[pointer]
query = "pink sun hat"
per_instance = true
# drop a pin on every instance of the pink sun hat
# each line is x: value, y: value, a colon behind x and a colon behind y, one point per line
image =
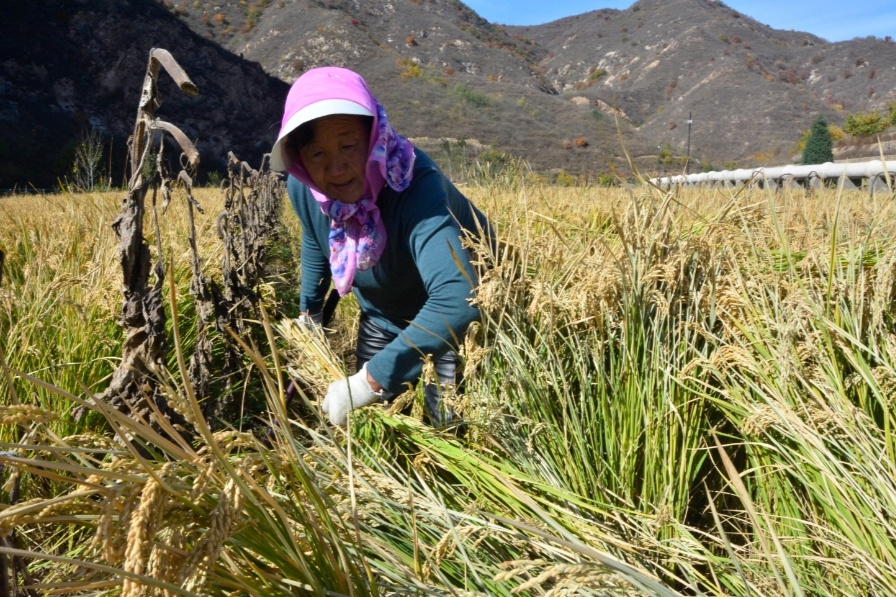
x: 321, y: 92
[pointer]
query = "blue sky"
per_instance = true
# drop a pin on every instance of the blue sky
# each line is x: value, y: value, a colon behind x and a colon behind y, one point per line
x: 834, y: 20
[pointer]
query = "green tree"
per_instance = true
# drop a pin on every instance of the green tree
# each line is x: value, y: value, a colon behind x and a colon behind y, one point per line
x: 820, y: 145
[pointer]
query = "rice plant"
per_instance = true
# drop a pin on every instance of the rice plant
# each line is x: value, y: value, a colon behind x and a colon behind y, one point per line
x: 668, y: 393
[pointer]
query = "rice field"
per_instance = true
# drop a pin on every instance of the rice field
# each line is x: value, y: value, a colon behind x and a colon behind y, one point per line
x: 668, y: 394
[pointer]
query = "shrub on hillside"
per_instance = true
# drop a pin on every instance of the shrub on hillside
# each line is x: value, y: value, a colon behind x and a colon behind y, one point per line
x: 865, y: 124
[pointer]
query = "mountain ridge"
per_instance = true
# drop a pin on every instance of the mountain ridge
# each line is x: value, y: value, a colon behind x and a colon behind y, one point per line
x: 564, y: 96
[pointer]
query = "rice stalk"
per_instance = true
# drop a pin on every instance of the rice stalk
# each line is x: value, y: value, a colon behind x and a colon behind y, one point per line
x: 621, y: 329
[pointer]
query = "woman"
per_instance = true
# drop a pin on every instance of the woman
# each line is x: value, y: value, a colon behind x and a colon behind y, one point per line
x: 380, y: 219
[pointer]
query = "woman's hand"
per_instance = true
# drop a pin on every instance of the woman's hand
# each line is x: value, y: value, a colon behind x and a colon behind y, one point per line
x: 345, y: 395
x: 312, y: 321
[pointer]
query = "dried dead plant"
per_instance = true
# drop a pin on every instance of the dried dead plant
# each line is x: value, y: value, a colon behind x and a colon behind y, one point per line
x: 143, y: 317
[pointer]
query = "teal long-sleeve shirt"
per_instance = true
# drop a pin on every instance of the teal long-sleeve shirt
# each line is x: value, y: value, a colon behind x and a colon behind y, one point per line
x: 422, y: 285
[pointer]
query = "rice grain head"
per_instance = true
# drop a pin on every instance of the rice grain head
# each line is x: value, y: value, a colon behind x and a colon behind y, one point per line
x: 446, y: 546
x: 21, y: 414
x: 730, y: 356
x: 167, y: 555
x: 222, y: 521
x: 759, y: 421
x: 141, y: 533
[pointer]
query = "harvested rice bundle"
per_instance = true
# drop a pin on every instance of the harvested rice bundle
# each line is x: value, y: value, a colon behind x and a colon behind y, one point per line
x: 309, y: 356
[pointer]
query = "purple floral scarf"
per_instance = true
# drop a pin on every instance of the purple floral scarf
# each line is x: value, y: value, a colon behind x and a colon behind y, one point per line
x: 357, y: 234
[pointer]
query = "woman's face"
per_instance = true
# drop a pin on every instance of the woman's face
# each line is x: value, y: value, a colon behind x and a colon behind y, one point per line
x: 336, y: 157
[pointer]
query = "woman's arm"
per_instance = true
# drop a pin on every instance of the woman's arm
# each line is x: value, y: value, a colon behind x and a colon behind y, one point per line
x: 315, y: 265
x: 433, y: 239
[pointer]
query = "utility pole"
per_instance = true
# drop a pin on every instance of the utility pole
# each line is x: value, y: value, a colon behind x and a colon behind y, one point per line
x: 687, y: 161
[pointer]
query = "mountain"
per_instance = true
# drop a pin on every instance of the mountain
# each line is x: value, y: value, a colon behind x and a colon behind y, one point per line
x: 440, y: 70
x: 564, y: 95
x: 749, y: 88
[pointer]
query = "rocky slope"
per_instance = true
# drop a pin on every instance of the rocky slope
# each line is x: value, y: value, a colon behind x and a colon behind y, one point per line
x: 749, y: 88
x: 440, y: 71
x: 564, y: 95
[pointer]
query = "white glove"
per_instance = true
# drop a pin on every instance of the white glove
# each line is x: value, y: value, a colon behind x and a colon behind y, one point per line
x: 345, y: 395
x: 312, y: 321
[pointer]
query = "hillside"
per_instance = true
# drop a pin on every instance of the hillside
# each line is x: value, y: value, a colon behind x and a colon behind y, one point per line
x: 749, y: 88
x: 553, y: 94
x: 440, y: 70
